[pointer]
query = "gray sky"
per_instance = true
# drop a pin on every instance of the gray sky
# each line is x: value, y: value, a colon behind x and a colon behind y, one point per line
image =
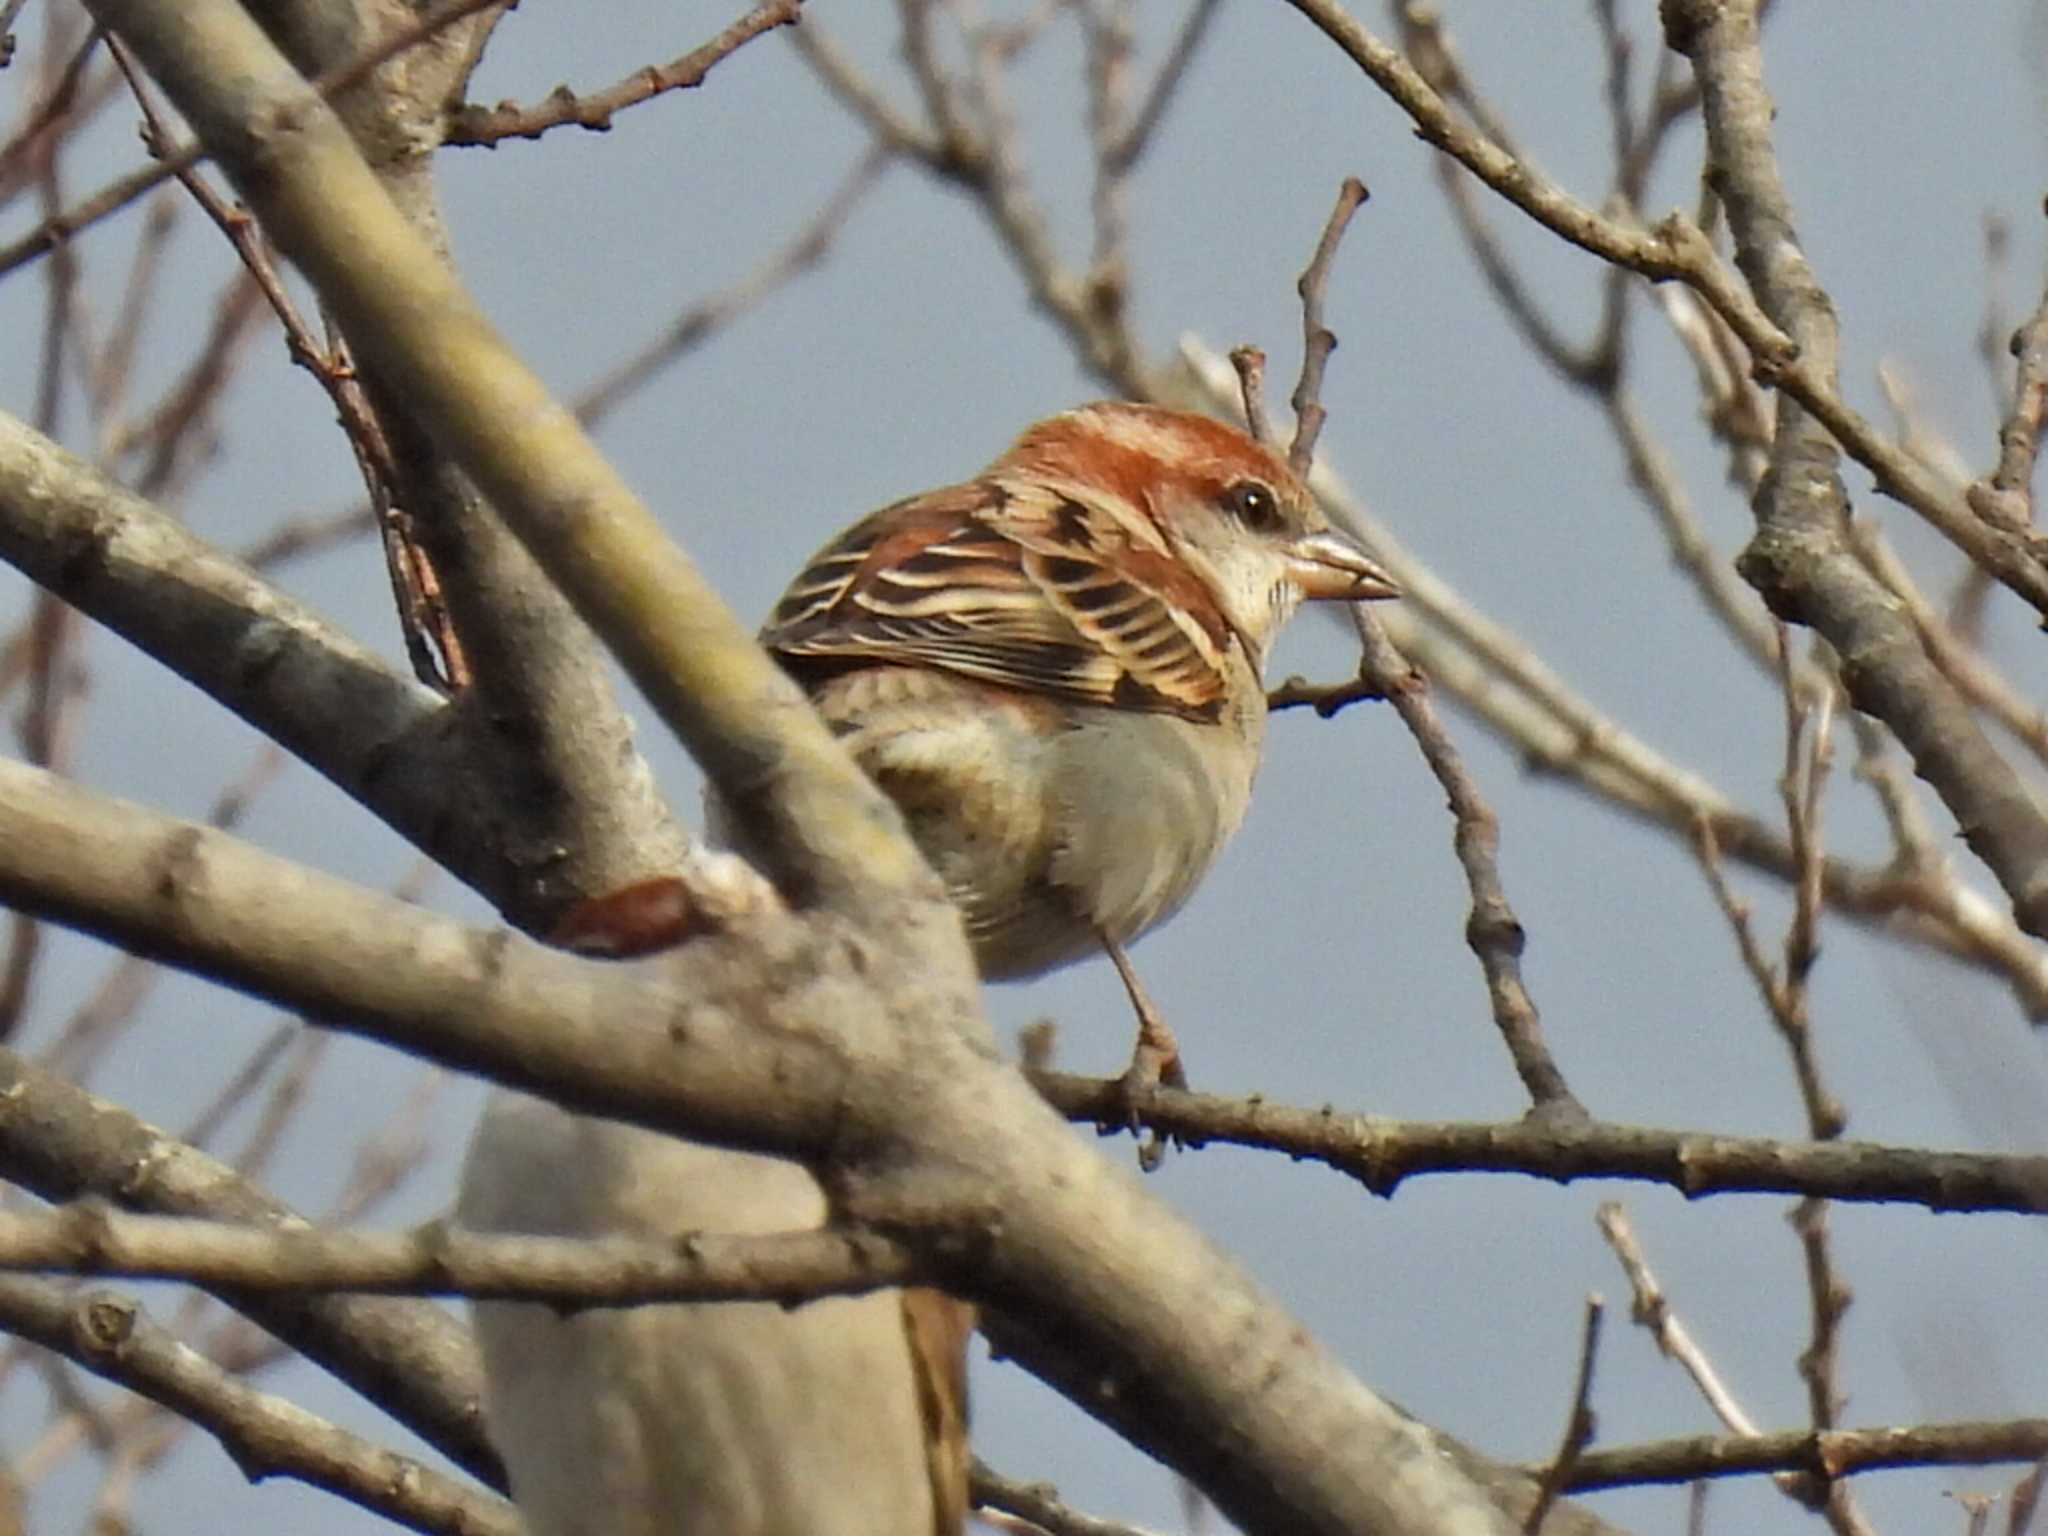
x: 1324, y: 960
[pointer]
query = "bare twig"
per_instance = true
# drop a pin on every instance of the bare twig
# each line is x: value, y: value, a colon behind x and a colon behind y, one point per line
x: 1318, y: 341
x: 1428, y: 43
x: 972, y: 141
x: 1652, y: 1310
x: 177, y: 427
x: 1580, y: 1426
x: 1326, y: 699
x: 471, y: 124
x: 707, y: 316
x: 2026, y: 1497
x: 1109, y: 31
x: 1035, y: 1507
x: 841, y: 76
x: 200, y: 1130
x: 1676, y: 248
x: 52, y: 104
x: 112, y: 371
x: 60, y: 227
x: 1492, y: 930
x: 1963, y: 663
x: 430, y: 638
x: 1186, y: 43
x: 1250, y: 364
x: 265, y: 1435
x: 311, y: 535
x: 299, y: 538
x: 1380, y: 1153
x: 1494, y: 675
x: 390, y: 1153
x: 1832, y: 1454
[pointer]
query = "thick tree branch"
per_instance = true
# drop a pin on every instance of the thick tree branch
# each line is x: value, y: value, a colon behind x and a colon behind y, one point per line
x: 1676, y: 250
x: 821, y: 826
x: 259, y: 653
x: 772, y: 1038
x: 1800, y: 558
x: 565, y: 808
x: 411, y: 1358
x: 405, y: 755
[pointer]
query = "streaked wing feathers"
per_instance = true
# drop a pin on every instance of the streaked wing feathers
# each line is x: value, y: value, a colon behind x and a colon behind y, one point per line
x: 1017, y: 585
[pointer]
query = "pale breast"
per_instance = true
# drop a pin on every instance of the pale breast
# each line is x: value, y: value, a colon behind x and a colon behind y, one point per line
x: 1144, y: 803
x: 1051, y: 824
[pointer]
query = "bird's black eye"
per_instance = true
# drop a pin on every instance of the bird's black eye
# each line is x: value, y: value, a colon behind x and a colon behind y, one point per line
x: 1254, y: 505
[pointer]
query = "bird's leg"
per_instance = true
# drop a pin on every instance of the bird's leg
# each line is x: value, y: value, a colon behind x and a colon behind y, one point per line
x: 1155, y: 1059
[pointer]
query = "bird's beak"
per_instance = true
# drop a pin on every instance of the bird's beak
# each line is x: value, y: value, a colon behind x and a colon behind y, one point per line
x: 1329, y: 564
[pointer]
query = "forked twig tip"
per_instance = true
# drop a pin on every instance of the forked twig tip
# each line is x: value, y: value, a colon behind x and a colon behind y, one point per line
x: 1250, y: 364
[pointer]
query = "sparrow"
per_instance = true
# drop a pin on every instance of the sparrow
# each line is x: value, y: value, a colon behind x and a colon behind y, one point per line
x: 1055, y: 670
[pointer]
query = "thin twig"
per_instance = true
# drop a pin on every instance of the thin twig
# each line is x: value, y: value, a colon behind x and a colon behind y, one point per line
x: 1652, y: 1311
x: 1250, y: 364
x: 1580, y: 1425
x: 62, y: 226
x: 1186, y: 43
x: 1492, y: 930
x: 2026, y: 1498
x: 2006, y: 495
x: 1678, y: 249
x: 1318, y: 341
x: 709, y: 315
x: 1381, y: 1154
x: 265, y: 1435
x: 471, y: 124
x: 112, y: 371
x: 1109, y: 34
x: 52, y: 105
x: 430, y: 638
x: 972, y: 142
x: 1830, y: 1456
x: 1326, y: 699
x: 177, y: 428
x: 1035, y: 1507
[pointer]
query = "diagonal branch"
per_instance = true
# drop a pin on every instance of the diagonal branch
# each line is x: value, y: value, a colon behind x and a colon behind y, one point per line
x: 1676, y: 250
x: 412, y: 1358
x: 264, y: 1434
x: 771, y: 1038
x: 1800, y: 559
x: 473, y: 124
x: 821, y: 826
